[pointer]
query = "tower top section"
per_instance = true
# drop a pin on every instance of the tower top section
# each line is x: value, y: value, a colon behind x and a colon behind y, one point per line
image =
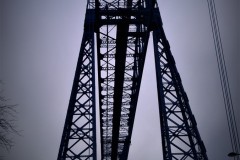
x: 113, y: 4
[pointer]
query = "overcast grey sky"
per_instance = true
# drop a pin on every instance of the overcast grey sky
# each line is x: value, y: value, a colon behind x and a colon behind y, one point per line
x: 39, y: 45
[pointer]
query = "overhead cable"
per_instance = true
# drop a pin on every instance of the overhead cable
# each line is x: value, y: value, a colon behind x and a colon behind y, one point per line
x: 229, y: 109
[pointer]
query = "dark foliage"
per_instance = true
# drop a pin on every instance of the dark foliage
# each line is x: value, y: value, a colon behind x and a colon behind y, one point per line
x: 7, y: 121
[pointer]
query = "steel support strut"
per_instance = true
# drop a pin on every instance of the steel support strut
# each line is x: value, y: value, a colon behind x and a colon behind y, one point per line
x: 79, y: 134
x: 180, y: 136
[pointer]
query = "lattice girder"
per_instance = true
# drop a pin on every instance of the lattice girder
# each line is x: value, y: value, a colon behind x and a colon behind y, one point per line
x: 180, y: 136
x: 122, y: 37
x: 79, y: 134
x: 122, y: 29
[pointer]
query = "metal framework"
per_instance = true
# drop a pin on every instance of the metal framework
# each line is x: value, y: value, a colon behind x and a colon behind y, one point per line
x: 122, y: 30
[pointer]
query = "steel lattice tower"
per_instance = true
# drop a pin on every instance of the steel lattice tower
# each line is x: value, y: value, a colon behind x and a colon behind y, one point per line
x: 122, y: 30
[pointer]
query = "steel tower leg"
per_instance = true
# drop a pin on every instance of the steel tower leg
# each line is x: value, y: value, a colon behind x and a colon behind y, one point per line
x: 79, y: 134
x: 180, y: 136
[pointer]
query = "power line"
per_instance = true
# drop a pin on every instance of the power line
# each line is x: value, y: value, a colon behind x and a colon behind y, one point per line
x: 232, y: 125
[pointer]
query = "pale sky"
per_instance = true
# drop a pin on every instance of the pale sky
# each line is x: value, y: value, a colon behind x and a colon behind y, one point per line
x: 40, y: 40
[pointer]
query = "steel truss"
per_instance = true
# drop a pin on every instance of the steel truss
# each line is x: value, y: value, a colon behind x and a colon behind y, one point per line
x: 122, y: 29
x: 79, y: 134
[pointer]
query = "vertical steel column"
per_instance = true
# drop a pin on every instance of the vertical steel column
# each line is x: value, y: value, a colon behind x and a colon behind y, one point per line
x: 79, y: 134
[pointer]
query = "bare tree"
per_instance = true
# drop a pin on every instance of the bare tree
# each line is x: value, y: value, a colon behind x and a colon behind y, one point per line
x: 7, y: 121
